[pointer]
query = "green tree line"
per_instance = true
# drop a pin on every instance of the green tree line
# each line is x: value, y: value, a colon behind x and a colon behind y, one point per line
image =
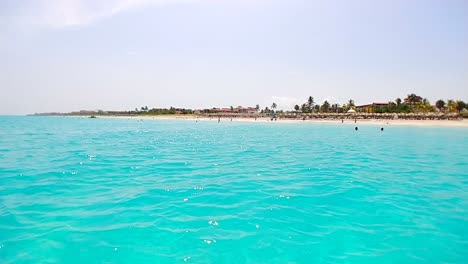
x: 412, y: 103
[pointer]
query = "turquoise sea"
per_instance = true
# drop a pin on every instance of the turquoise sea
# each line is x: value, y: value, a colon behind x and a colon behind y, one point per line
x: 80, y: 190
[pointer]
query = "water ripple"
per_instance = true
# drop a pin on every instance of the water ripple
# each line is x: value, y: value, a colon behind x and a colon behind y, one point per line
x: 77, y: 190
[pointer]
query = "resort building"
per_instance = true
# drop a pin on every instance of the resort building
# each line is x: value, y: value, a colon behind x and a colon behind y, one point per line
x: 239, y: 109
x: 249, y: 110
x: 370, y: 108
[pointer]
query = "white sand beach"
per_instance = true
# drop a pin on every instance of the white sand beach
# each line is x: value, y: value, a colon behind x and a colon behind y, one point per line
x: 379, y: 122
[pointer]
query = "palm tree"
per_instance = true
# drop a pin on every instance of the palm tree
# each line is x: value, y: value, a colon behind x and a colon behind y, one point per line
x: 310, y: 103
x: 325, y: 106
x: 296, y: 107
x: 391, y: 107
x: 451, y: 105
x: 304, y: 108
x: 460, y: 105
x: 398, y: 101
x: 440, y: 104
x: 273, y: 106
x: 232, y: 108
x: 257, y: 107
x: 425, y: 106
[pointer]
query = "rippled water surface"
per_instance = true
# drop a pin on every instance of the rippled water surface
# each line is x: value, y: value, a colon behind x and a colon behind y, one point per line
x: 79, y: 190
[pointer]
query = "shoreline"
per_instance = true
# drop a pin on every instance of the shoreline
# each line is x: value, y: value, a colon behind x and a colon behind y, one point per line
x: 381, y: 122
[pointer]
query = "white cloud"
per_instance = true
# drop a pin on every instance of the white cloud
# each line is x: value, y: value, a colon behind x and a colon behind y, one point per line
x: 69, y: 13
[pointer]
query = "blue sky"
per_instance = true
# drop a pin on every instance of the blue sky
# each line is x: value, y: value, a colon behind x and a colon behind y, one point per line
x: 69, y: 55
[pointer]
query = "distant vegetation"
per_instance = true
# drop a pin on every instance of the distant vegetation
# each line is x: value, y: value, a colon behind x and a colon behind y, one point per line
x: 412, y: 103
x: 161, y: 111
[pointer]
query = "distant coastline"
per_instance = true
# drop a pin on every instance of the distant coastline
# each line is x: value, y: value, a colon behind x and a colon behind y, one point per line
x: 412, y: 107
